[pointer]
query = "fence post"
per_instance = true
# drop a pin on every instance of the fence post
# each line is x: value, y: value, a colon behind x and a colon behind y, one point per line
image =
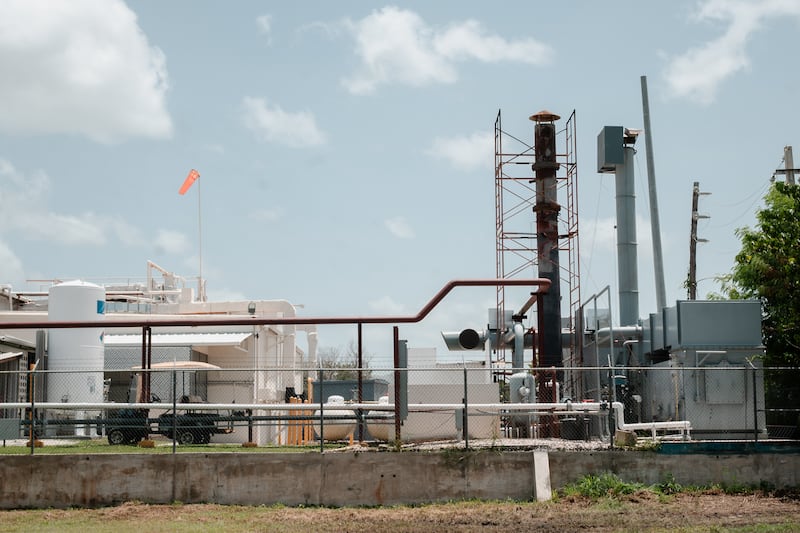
x: 465, y: 420
x: 321, y: 410
x: 396, y: 342
x: 174, y: 409
x: 612, y: 423
x: 32, y: 389
x: 755, y: 402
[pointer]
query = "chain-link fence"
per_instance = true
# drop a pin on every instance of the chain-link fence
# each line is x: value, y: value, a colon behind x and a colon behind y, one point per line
x: 191, y: 404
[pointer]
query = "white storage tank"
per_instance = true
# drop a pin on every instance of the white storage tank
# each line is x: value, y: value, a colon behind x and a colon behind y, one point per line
x: 76, y: 349
x: 336, y: 429
x: 380, y: 424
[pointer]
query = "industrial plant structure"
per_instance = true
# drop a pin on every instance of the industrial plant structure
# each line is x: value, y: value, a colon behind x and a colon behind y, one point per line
x: 95, y: 365
x: 688, y: 367
x: 692, y: 364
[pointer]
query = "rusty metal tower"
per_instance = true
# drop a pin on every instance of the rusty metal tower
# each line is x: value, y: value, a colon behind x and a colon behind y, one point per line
x: 536, y: 216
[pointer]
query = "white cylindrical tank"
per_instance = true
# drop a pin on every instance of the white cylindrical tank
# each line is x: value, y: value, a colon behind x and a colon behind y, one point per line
x: 335, y: 429
x: 522, y: 388
x: 381, y: 427
x: 75, y: 349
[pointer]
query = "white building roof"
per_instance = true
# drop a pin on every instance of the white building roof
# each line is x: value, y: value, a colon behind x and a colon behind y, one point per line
x: 180, y: 339
x: 9, y: 356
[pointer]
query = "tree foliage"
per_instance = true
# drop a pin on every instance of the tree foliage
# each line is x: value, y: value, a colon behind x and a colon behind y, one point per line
x: 768, y: 268
x: 338, y: 364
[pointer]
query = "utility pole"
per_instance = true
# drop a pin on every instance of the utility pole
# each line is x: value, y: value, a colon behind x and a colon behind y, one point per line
x: 788, y: 165
x: 655, y: 225
x: 691, y: 282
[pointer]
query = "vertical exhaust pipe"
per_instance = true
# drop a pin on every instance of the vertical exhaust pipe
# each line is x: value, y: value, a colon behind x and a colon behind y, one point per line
x: 615, y: 154
x: 547, y: 208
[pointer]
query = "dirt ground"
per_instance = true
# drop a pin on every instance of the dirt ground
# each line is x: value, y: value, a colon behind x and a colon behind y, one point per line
x: 643, y: 511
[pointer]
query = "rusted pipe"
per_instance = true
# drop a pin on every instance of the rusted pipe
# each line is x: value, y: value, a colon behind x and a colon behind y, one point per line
x: 542, y: 284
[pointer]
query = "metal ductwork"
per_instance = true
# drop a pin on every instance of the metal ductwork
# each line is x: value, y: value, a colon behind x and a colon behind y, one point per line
x: 470, y: 339
x: 467, y: 339
x: 615, y: 155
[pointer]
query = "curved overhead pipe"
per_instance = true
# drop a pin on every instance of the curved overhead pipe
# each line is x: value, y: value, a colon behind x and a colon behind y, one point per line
x: 542, y: 284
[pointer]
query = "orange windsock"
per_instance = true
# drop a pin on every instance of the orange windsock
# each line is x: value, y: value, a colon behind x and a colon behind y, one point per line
x: 190, y: 179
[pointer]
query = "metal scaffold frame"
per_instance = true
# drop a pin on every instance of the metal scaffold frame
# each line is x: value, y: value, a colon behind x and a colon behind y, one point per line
x: 515, y: 198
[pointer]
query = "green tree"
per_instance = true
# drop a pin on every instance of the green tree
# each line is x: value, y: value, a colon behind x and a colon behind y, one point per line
x: 338, y: 364
x: 768, y: 268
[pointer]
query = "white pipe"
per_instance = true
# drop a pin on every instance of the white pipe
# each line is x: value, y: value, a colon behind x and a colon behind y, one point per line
x: 10, y: 296
x: 565, y: 407
x: 595, y: 408
x: 518, y: 354
x: 616, y: 333
x: 620, y: 331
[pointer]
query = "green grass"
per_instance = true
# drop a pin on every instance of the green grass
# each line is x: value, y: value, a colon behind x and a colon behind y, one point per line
x: 608, y: 485
x: 600, y: 486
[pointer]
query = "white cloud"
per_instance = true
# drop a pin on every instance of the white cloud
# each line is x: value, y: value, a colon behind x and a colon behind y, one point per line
x: 398, y: 46
x: 599, y: 238
x: 268, y: 215
x: 226, y: 295
x: 465, y: 153
x: 171, y: 242
x: 10, y: 266
x: 21, y: 190
x: 468, y: 40
x: 123, y: 232
x: 264, y: 24
x: 698, y: 73
x: 63, y: 229
x: 80, y: 67
x: 387, y: 306
x: 399, y: 227
x: 272, y: 124
x: 38, y: 223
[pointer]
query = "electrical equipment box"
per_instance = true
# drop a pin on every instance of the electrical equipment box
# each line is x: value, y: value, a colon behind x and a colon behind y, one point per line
x: 610, y: 148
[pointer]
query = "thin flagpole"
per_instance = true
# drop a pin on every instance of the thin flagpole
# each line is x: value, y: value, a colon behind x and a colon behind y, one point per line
x: 187, y: 184
x: 201, y: 289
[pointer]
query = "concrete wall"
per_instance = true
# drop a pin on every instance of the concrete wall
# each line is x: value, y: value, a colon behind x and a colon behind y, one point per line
x: 340, y: 479
x: 777, y: 469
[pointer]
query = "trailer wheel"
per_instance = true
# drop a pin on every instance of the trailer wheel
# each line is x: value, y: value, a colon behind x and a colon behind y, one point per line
x: 186, y: 437
x: 116, y: 436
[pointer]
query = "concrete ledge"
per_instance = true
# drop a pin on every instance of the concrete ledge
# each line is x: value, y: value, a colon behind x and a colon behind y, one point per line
x: 351, y: 479
x: 779, y: 470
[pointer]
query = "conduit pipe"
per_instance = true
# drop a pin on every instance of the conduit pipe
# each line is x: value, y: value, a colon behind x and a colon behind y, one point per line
x: 618, y: 333
x: 518, y: 353
x: 559, y: 407
x: 234, y: 320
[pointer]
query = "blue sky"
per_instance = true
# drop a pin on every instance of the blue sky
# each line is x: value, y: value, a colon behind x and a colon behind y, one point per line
x: 345, y: 148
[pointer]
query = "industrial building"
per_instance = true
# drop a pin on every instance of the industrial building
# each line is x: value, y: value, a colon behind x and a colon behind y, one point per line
x: 101, y: 365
